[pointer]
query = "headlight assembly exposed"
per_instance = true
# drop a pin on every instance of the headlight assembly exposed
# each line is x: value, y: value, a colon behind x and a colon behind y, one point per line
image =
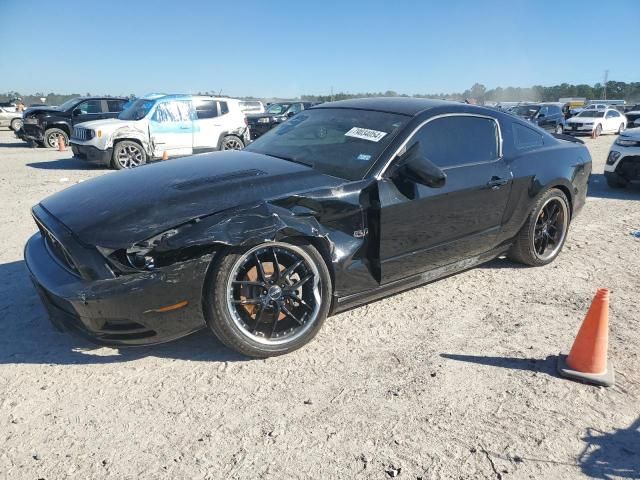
x: 264, y: 120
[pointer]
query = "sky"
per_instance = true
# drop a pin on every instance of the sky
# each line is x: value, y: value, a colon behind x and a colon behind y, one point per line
x: 272, y: 48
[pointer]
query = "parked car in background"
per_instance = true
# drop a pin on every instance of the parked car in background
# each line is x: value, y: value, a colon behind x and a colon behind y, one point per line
x: 623, y: 162
x: 158, y: 123
x: 45, y: 125
x: 548, y: 116
x: 345, y: 204
x: 251, y: 107
x: 595, y: 122
x: 274, y: 115
x: 9, y: 117
x: 633, y: 116
x: 592, y: 106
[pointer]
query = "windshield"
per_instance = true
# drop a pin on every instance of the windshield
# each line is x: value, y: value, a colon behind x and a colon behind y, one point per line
x: 591, y: 114
x: 137, y: 110
x: 68, y: 104
x: 527, y: 111
x: 339, y: 142
x: 277, y: 108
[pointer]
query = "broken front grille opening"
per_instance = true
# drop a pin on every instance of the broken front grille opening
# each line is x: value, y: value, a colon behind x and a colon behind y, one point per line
x: 56, y: 250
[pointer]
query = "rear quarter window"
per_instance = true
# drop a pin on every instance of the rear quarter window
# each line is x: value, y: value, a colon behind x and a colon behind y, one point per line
x: 525, y: 137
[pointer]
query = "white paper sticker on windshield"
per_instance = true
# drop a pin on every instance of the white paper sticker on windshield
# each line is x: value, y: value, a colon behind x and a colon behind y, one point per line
x: 365, y: 134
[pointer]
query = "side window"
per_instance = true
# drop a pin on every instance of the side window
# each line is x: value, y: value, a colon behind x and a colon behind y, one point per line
x: 295, y: 108
x: 615, y: 113
x: 173, y: 112
x: 224, y: 108
x: 115, y: 105
x: 459, y: 140
x: 544, y: 111
x: 90, y: 106
x: 525, y: 137
x: 206, y: 109
x: 553, y: 110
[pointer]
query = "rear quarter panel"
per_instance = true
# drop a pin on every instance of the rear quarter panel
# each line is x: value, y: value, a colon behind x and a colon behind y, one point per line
x: 557, y: 164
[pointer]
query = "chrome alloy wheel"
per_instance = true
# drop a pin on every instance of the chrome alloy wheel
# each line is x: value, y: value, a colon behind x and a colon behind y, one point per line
x: 129, y: 156
x: 551, y: 228
x: 274, y: 293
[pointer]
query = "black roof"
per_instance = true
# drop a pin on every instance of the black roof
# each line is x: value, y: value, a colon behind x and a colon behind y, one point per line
x: 402, y: 105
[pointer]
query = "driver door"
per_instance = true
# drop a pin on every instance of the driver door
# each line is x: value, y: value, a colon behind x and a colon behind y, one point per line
x: 87, y: 111
x: 423, y: 228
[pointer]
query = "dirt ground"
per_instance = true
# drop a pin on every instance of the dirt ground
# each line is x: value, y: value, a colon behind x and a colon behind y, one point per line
x: 452, y: 380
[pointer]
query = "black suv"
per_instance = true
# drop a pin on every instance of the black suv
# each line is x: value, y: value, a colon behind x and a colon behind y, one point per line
x: 275, y: 114
x: 44, y: 125
x: 548, y: 116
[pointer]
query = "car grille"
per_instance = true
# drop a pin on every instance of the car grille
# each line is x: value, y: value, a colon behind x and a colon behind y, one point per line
x: 56, y: 249
x: 82, y: 134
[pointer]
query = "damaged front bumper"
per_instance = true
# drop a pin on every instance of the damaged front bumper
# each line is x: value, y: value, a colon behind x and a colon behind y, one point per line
x: 124, y: 310
x: 92, y: 154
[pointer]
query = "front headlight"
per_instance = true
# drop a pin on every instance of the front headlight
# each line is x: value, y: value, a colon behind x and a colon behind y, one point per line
x: 264, y: 120
x: 626, y: 143
x: 613, y: 157
x: 587, y: 124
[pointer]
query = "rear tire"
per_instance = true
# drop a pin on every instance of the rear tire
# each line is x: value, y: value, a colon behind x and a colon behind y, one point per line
x: 559, y: 129
x: 52, y: 135
x: 264, y: 325
x: 128, y: 154
x: 621, y: 128
x: 527, y: 247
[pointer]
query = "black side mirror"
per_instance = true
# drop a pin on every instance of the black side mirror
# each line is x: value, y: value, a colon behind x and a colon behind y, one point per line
x: 541, y: 115
x: 420, y: 169
x: 290, y: 114
x: 77, y: 112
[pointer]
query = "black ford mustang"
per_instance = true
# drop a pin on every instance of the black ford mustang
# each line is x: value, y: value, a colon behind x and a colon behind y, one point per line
x: 345, y: 203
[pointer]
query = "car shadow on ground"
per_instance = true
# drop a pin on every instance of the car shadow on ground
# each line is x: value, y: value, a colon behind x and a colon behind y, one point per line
x: 27, y: 337
x: 545, y: 365
x: 65, y: 164
x: 612, y: 454
x: 598, y: 188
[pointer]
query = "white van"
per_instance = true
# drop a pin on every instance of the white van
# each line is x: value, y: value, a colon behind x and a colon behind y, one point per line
x: 157, y: 124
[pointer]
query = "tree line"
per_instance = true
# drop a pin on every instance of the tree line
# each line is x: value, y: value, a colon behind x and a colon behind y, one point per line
x: 538, y: 93
x: 478, y: 92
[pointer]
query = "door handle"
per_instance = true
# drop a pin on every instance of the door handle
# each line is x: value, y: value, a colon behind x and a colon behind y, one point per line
x: 496, y: 182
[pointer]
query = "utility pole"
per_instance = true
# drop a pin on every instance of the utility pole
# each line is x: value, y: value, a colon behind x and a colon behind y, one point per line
x: 332, y: 93
x: 606, y: 78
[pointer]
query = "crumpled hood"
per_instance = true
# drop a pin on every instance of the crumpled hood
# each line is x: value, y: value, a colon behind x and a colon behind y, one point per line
x: 109, y: 125
x: 121, y: 208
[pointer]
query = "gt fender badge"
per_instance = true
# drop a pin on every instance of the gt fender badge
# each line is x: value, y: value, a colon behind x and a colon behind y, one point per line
x: 361, y: 233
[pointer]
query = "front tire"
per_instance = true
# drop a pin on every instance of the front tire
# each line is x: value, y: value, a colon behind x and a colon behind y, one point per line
x: 231, y: 142
x: 261, y: 311
x: 52, y: 136
x: 542, y: 236
x: 16, y: 124
x: 598, y: 131
x: 128, y: 154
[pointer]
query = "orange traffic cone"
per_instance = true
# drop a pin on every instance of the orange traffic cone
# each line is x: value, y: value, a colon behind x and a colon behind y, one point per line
x: 165, y: 155
x: 587, y: 360
x: 61, y: 144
